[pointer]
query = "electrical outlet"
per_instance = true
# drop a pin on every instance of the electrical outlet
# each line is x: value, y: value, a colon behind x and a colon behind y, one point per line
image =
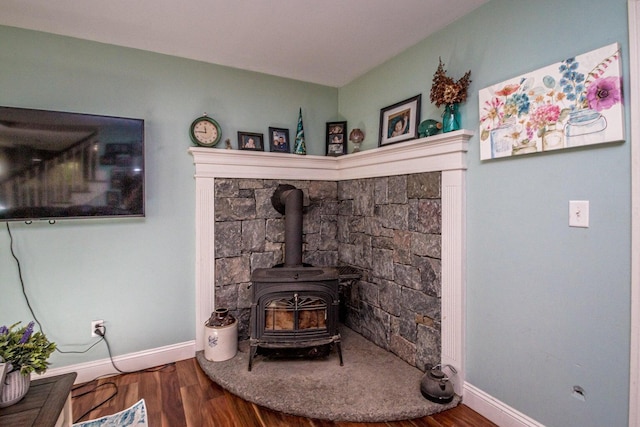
x: 99, y: 325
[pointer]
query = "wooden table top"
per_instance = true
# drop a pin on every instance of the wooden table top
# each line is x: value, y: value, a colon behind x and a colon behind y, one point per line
x: 42, y: 405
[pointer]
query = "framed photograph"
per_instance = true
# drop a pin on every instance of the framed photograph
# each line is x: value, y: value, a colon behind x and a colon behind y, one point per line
x: 250, y: 141
x: 336, y: 138
x: 279, y: 140
x: 399, y: 122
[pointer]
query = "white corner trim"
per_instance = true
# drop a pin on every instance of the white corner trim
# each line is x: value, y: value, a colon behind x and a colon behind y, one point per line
x: 127, y: 362
x: 453, y: 303
x: 634, y: 102
x: 495, y: 410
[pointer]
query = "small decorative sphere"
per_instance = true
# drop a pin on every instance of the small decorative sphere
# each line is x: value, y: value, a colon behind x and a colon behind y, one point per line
x: 356, y: 137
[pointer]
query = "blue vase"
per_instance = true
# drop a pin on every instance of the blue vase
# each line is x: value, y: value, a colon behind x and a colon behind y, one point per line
x: 450, y: 118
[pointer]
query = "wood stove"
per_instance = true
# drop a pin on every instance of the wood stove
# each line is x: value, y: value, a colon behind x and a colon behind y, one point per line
x: 294, y: 308
x: 293, y: 305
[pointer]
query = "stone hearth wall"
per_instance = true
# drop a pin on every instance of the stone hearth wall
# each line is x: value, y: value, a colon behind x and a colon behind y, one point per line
x: 389, y: 228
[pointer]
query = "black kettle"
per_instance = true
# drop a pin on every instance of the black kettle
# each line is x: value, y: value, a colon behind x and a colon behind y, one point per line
x: 436, y: 386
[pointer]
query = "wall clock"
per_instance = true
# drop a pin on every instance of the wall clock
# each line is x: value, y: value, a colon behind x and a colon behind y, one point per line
x: 205, y: 131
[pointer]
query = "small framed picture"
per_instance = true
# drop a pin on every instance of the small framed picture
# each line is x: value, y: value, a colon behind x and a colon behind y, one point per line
x: 336, y: 138
x: 279, y: 140
x: 399, y: 122
x: 250, y: 141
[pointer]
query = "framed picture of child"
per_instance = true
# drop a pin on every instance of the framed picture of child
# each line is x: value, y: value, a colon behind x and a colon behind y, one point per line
x: 250, y: 141
x: 399, y: 122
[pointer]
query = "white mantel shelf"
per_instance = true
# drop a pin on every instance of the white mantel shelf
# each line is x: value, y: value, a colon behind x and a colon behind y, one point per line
x: 444, y: 153
x: 435, y: 153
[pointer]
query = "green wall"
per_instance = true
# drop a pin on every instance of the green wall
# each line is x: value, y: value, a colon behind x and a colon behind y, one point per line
x: 136, y: 274
x: 547, y: 305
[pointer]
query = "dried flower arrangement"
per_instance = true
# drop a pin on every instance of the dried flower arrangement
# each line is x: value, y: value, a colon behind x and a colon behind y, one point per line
x: 446, y: 91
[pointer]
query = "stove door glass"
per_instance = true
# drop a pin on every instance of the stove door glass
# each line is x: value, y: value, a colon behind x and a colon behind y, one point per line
x: 295, y: 313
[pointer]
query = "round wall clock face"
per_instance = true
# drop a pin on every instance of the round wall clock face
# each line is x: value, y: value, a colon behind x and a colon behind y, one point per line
x: 205, y: 131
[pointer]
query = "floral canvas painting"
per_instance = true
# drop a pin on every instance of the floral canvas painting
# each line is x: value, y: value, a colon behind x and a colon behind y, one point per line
x: 573, y: 103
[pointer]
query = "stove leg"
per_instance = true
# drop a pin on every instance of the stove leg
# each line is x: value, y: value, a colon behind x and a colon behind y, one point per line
x: 339, y: 348
x: 252, y: 353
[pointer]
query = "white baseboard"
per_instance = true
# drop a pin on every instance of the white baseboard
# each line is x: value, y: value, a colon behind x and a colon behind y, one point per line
x: 495, y: 410
x: 127, y: 362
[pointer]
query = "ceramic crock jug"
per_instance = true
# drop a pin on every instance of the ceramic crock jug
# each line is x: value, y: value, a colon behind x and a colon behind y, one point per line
x: 220, y: 336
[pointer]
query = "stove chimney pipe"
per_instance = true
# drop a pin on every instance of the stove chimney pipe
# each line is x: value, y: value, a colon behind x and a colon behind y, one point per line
x: 288, y: 200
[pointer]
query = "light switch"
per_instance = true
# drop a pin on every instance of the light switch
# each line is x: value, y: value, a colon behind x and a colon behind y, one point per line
x: 579, y: 213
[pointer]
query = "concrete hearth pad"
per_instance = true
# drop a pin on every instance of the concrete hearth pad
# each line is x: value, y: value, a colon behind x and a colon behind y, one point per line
x: 373, y: 385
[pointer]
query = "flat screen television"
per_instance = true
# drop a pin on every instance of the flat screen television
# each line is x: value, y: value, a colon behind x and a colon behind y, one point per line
x: 63, y: 165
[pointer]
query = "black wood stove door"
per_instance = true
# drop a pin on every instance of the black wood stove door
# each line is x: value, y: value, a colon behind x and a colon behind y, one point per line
x: 294, y: 315
x: 289, y: 312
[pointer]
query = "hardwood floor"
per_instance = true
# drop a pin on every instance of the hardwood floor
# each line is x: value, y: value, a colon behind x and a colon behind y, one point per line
x: 181, y: 395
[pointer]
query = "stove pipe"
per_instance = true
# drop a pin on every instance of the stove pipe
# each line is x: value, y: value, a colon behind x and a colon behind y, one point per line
x: 288, y: 200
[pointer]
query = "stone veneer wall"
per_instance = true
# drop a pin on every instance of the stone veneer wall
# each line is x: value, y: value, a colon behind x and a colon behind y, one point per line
x: 389, y: 228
